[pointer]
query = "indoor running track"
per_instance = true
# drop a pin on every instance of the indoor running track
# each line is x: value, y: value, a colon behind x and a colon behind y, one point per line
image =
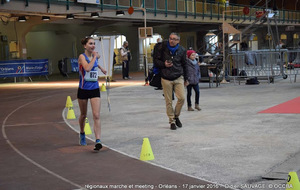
x: 39, y: 151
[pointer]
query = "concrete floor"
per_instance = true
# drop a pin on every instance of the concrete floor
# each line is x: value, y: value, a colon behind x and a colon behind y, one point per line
x: 228, y: 142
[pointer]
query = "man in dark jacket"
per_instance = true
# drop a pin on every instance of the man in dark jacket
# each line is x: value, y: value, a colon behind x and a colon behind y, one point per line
x: 171, y: 60
x: 155, y: 70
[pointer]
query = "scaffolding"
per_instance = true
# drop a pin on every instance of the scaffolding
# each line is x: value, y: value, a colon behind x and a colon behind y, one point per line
x: 265, y: 64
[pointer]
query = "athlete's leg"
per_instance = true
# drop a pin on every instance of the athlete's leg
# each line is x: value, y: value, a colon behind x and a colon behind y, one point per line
x: 96, y: 103
x: 83, y: 111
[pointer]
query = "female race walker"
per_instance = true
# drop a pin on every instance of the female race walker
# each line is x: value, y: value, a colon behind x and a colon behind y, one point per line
x: 89, y: 89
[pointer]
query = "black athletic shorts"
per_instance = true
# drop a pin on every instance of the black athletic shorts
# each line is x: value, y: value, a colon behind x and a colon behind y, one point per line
x: 88, y: 94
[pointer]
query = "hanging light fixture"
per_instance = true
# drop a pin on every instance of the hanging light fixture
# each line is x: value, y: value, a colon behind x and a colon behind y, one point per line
x: 95, y: 15
x: 70, y: 16
x: 22, y: 19
x: 45, y: 18
x: 120, y: 13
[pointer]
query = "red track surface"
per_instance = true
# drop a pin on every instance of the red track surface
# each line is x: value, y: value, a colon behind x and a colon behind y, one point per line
x: 289, y: 107
x: 39, y: 151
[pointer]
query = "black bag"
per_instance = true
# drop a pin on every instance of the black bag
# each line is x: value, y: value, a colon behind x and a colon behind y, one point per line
x: 154, y: 79
x: 243, y: 73
x: 252, y: 81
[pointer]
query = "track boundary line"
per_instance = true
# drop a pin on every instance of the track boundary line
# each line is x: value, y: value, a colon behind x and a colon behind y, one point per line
x: 28, y: 124
x: 26, y: 157
x: 154, y: 164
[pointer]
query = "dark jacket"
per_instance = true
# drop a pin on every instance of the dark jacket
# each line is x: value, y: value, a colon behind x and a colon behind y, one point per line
x: 179, y: 62
x: 193, y: 72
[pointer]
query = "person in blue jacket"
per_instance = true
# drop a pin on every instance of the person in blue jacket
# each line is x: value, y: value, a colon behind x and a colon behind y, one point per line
x: 89, y: 89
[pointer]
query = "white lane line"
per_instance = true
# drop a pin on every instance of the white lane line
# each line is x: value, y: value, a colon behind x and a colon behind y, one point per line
x: 26, y: 157
x: 157, y: 165
x: 29, y: 124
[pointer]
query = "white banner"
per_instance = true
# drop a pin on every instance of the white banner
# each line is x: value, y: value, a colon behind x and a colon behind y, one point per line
x: 105, y: 48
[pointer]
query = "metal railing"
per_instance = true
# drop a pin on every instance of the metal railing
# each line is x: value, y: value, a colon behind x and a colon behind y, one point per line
x: 292, y: 66
x: 265, y: 65
x: 188, y: 8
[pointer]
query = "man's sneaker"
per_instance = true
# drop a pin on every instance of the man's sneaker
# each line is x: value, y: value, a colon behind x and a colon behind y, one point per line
x: 173, y: 126
x: 197, y: 107
x: 178, y: 123
x: 82, y: 140
x: 98, y: 145
x: 190, y: 109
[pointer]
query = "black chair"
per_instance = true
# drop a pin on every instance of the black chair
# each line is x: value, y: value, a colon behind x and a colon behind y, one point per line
x: 63, y: 67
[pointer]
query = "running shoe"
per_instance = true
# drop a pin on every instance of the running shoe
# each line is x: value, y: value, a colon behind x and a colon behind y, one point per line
x: 98, y: 145
x: 82, y: 140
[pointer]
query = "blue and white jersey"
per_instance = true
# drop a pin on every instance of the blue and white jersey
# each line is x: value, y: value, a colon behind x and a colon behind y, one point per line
x: 88, y: 80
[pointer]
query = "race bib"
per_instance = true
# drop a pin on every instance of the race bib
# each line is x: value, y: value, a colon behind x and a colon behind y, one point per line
x: 91, y: 76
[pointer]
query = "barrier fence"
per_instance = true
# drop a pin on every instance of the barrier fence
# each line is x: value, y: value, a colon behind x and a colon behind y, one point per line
x: 292, y: 66
x: 265, y: 65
